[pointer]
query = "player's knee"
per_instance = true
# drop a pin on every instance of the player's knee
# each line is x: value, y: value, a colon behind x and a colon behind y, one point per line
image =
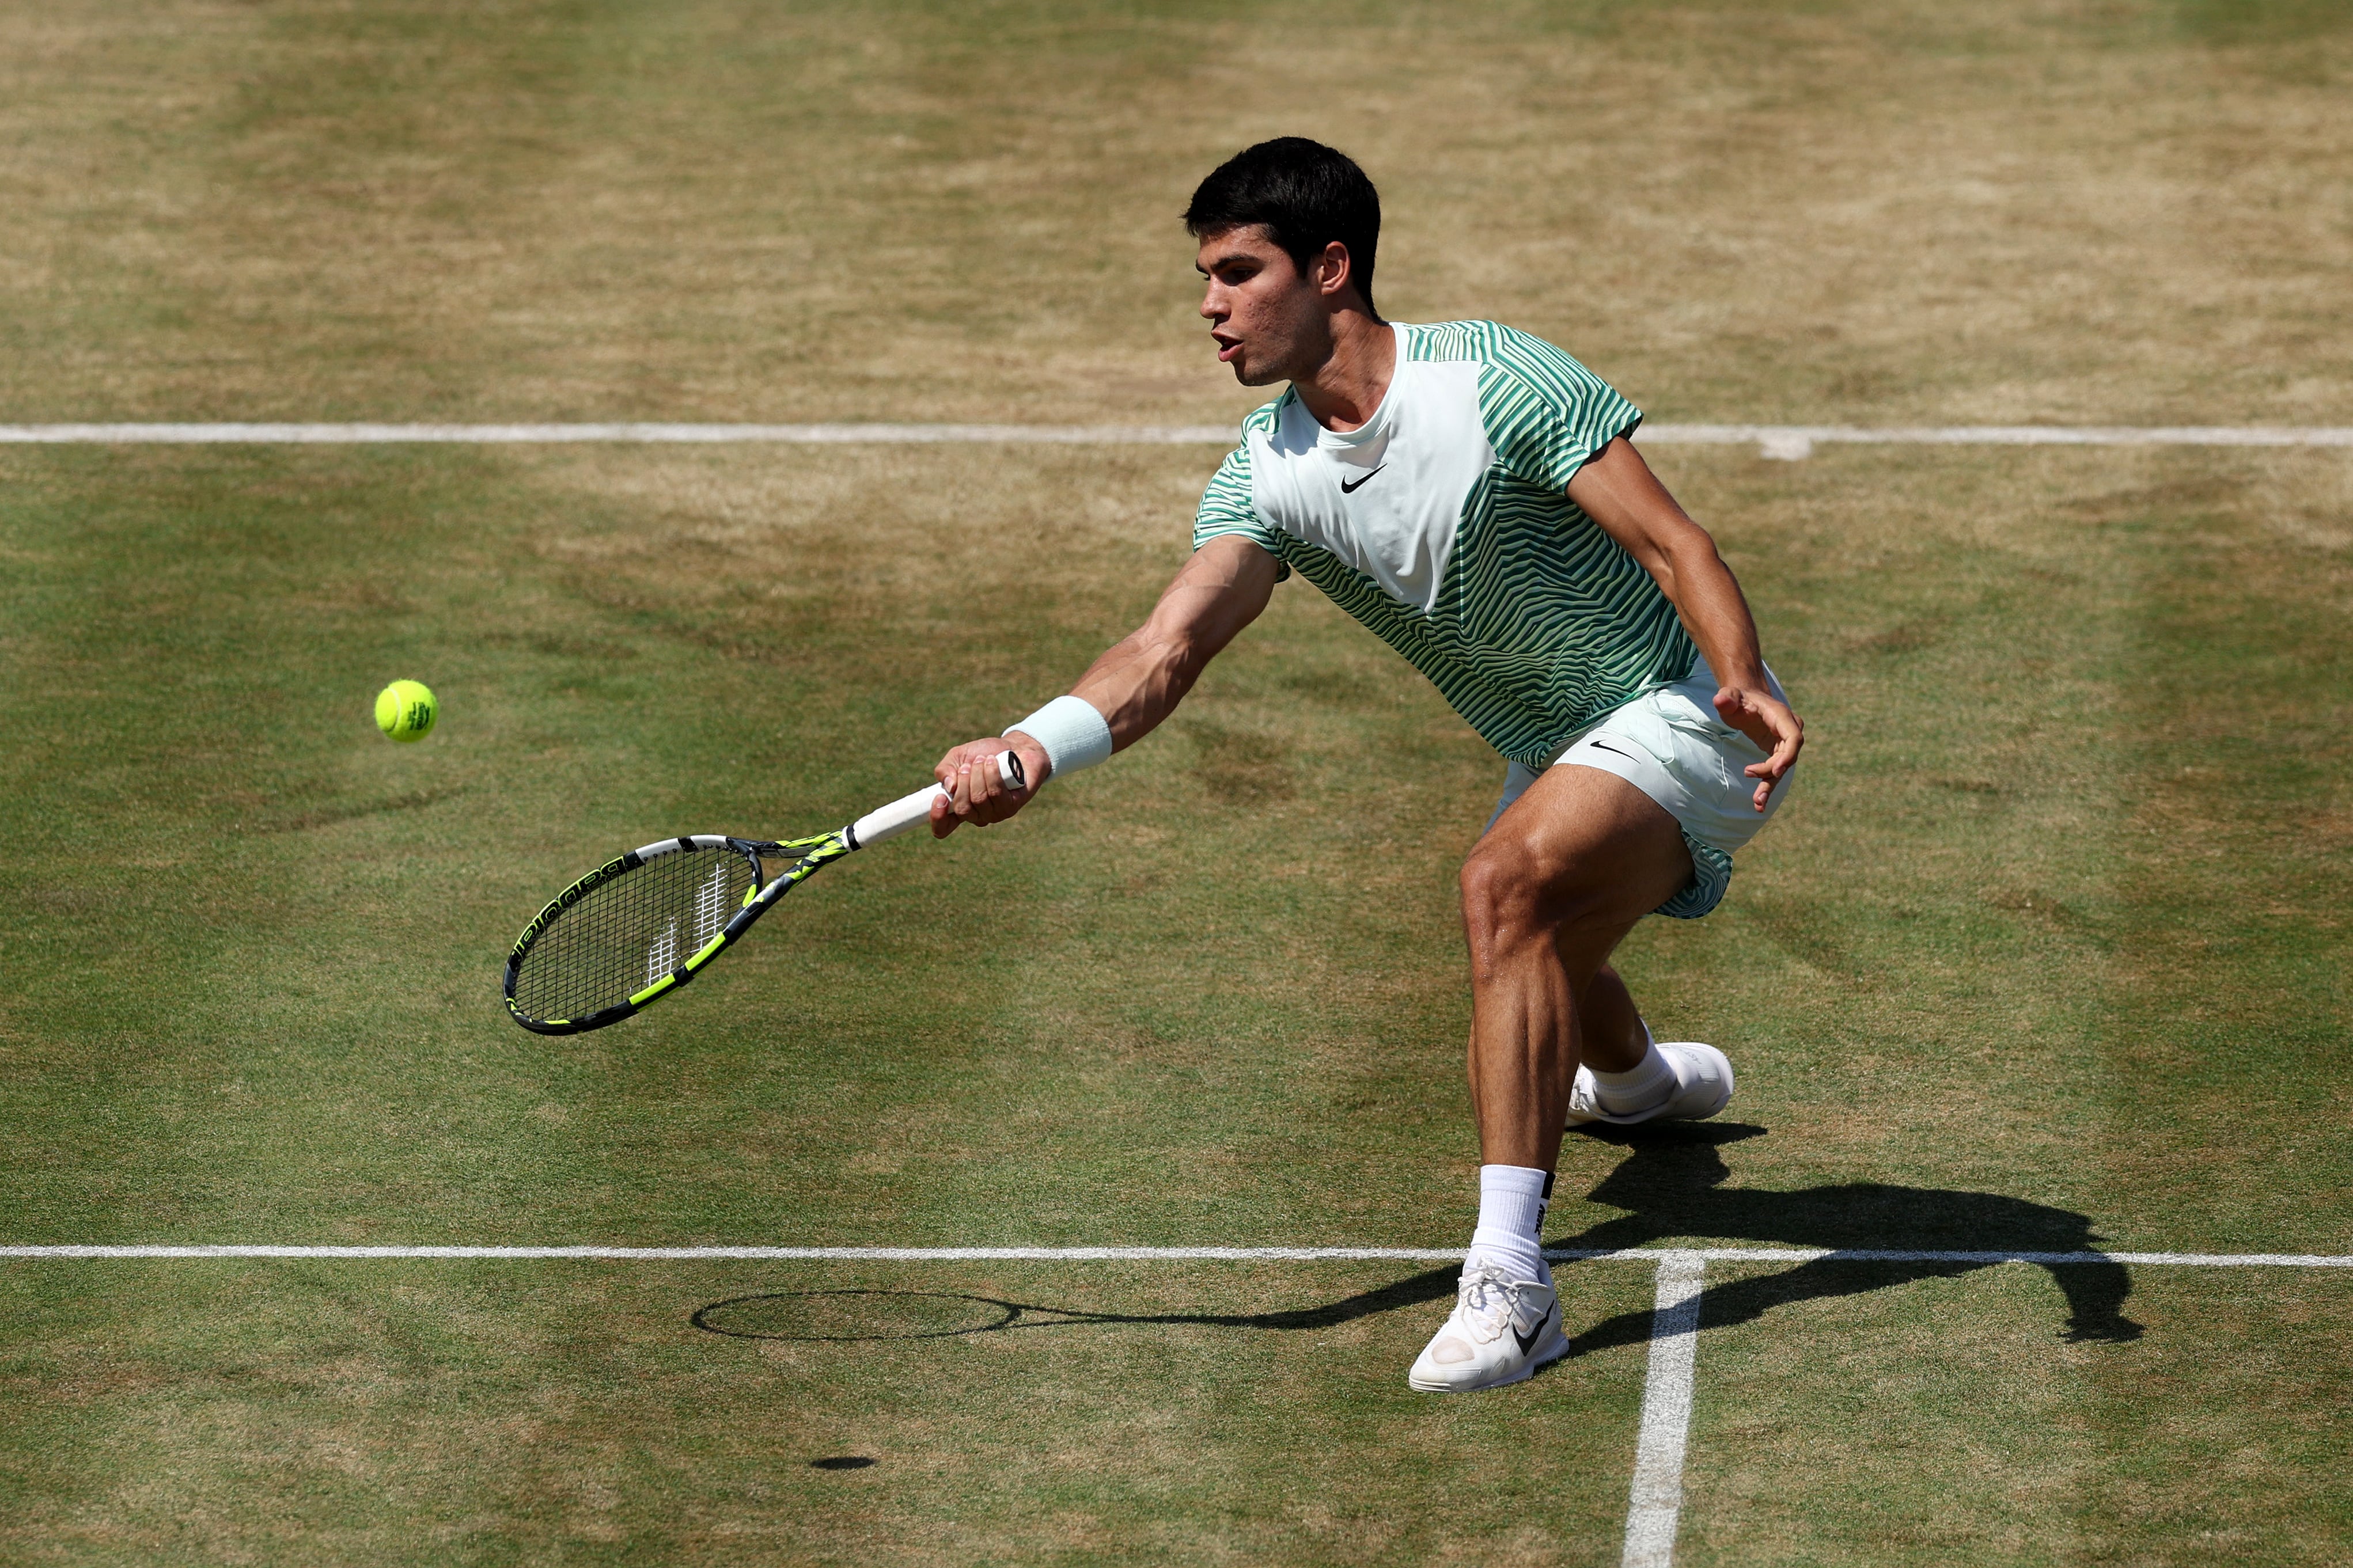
x: 1507, y: 898
x: 1502, y: 902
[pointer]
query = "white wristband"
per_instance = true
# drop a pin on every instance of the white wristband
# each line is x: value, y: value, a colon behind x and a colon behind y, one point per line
x: 1075, y: 736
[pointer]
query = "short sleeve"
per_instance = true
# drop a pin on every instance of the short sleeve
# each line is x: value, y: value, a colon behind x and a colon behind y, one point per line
x: 1226, y: 507
x: 1547, y: 416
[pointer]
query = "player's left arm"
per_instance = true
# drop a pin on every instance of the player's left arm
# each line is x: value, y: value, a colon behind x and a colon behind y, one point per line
x: 1617, y: 491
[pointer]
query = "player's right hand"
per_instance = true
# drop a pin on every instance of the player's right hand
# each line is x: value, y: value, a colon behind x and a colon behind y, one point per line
x: 977, y: 792
x: 1765, y: 719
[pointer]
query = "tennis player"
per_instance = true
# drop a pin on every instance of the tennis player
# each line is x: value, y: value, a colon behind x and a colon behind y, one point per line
x: 1468, y: 492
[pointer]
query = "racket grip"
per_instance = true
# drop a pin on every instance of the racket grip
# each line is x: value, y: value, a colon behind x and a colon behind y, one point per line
x: 892, y: 820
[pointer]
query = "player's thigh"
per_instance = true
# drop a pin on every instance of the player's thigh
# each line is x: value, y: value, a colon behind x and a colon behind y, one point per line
x: 1579, y: 848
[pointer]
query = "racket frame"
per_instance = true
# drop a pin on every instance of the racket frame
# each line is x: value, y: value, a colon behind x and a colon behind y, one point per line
x: 809, y: 857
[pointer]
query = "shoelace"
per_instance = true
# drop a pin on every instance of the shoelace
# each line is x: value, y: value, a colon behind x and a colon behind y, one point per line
x: 1490, y: 1301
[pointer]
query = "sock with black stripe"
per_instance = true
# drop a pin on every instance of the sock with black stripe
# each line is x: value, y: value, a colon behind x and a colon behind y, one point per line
x: 1512, y: 1203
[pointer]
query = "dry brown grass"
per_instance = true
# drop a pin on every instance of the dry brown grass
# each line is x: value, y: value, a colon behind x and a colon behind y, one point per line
x: 2071, y: 212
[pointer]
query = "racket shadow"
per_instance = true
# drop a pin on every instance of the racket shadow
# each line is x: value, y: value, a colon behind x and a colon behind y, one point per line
x: 815, y: 1316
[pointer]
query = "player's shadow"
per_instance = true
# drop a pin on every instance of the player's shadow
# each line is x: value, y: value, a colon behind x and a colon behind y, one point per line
x: 1672, y: 1185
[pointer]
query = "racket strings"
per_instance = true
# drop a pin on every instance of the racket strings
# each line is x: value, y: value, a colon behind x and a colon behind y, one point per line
x: 627, y: 932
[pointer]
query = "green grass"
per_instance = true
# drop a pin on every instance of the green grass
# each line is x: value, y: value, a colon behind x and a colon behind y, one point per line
x: 2008, y: 972
x: 2048, y: 948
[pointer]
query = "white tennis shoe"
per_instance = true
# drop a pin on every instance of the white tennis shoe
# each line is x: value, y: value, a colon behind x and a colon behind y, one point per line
x: 1703, y: 1088
x: 1500, y: 1331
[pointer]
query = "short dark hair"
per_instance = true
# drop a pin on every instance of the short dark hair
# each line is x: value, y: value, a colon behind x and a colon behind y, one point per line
x: 1305, y: 195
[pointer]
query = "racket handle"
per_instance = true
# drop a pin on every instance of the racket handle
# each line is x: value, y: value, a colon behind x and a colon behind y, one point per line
x: 892, y: 820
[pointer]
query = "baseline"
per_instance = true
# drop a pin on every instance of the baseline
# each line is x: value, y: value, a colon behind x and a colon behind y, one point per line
x: 1654, y: 1255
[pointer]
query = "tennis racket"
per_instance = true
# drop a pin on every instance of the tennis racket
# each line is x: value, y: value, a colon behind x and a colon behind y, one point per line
x: 639, y: 927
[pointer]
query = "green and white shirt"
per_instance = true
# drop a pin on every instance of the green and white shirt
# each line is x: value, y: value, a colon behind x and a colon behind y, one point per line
x: 1444, y: 525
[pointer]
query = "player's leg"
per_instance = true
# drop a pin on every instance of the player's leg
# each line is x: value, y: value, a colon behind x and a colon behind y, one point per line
x: 1676, y: 750
x: 1624, y: 1077
x: 1562, y: 875
x: 1611, y: 1035
x: 1549, y: 893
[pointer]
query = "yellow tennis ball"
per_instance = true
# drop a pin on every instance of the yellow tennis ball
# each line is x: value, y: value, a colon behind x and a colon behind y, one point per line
x: 405, y: 711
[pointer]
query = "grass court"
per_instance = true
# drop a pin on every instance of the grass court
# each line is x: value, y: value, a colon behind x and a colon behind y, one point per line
x: 2048, y: 951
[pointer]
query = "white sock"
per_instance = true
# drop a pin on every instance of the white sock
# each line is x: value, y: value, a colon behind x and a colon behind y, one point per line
x: 1646, y: 1084
x: 1511, y: 1202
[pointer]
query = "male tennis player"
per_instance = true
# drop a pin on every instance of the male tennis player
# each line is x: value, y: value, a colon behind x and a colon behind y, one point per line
x: 1467, y: 492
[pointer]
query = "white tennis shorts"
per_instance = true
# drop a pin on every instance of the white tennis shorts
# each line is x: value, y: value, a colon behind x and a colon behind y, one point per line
x: 1671, y: 745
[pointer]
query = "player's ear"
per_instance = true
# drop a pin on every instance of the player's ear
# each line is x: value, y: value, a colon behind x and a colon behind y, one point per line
x: 1334, y: 269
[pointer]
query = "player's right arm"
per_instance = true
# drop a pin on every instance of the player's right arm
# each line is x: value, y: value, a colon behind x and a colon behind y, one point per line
x: 1135, y: 685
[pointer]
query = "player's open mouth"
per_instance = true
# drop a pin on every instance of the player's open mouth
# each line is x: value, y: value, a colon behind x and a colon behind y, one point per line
x: 1227, y: 348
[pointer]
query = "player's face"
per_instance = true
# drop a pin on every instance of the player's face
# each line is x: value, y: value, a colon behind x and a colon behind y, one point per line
x: 1269, y: 322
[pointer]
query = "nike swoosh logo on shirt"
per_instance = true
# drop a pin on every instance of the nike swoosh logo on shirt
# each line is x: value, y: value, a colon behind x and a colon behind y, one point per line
x: 1348, y: 489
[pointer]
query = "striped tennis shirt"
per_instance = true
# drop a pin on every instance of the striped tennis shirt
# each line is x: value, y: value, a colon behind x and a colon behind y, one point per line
x: 1444, y: 525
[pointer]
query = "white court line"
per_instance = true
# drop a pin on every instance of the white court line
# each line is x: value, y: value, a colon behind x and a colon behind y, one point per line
x: 1657, y: 1495
x: 1783, y: 441
x: 1794, y: 443
x: 692, y: 435
x: 761, y: 1253
x: 1655, y: 1255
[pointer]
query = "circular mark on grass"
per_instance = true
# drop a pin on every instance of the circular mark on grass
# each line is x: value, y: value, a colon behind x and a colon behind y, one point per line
x: 840, y: 1316
x: 842, y: 1462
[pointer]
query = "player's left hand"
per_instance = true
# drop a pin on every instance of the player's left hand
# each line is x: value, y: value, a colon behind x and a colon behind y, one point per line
x: 1765, y: 719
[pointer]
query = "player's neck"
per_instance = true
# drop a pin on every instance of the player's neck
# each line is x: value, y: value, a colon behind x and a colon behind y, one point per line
x: 1346, y: 389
